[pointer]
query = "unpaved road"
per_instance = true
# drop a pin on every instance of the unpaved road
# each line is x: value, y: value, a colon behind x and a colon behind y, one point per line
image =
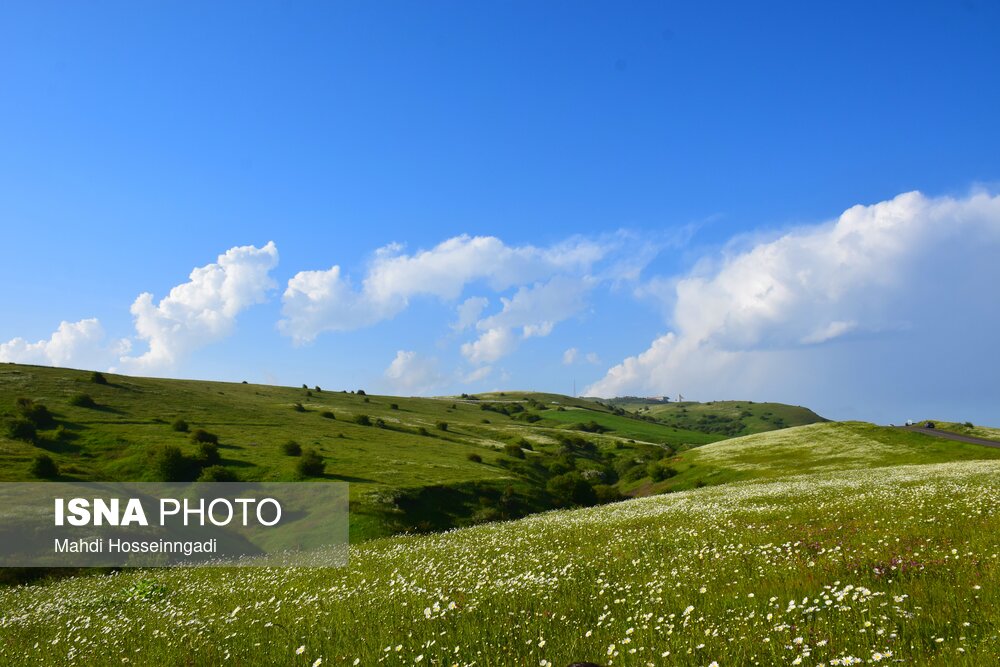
x: 948, y: 435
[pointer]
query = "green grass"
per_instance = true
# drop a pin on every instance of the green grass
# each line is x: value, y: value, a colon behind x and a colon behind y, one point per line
x: 729, y: 418
x: 822, y: 567
x: 401, y: 473
x: 822, y: 447
x: 975, y: 430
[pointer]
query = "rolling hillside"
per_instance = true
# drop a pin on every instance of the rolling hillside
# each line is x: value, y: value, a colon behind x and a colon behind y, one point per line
x: 414, y: 464
x: 727, y: 418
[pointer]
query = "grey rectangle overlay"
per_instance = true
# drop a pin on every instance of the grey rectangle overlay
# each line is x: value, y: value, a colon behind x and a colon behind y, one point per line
x: 227, y: 524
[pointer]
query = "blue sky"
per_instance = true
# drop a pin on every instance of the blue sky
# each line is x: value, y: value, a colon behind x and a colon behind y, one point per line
x: 619, y: 173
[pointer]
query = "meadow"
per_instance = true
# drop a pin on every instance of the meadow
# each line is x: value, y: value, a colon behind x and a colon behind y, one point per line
x: 895, y: 565
x: 829, y: 543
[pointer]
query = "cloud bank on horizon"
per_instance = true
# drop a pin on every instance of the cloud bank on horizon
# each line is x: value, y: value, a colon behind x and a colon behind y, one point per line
x: 838, y: 302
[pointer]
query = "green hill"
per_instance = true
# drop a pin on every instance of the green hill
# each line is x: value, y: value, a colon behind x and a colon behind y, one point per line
x: 822, y: 447
x: 895, y: 564
x: 727, y: 418
x: 414, y: 464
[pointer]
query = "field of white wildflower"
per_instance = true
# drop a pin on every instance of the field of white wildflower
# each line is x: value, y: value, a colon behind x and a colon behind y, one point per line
x: 890, y: 565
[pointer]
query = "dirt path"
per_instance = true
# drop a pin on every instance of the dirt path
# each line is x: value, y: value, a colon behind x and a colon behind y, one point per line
x: 948, y: 435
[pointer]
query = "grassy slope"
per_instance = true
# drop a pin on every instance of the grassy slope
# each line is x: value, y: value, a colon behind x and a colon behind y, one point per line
x: 731, y: 418
x: 822, y: 447
x: 134, y: 416
x: 975, y: 431
x: 855, y: 563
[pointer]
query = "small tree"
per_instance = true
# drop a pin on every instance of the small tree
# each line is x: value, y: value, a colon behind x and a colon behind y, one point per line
x: 571, y: 489
x: 327, y: 414
x: 291, y: 448
x: 513, y: 450
x: 475, y: 458
x: 298, y: 407
x: 363, y: 420
x: 44, y: 467
x: 20, y: 428
x: 98, y: 378
x: 169, y: 464
x: 441, y: 426
x: 83, y: 401
x: 201, y: 435
x: 180, y: 426
x: 311, y: 464
x: 360, y: 392
x: 217, y: 474
x: 208, y: 454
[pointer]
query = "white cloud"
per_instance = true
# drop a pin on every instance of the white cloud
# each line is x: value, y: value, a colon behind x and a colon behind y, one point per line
x: 202, y: 310
x: 469, y: 311
x: 765, y: 318
x: 318, y: 301
x: 477, y: 374
x: 491, y: 345
x: 592, y: 358
x: 413, y: 374
x: 569, y: 356
x: 80, y: 344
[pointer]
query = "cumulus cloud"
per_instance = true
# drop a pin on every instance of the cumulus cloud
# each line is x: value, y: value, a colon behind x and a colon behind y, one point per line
x: 80, y: 344
x: 765, y: 318
x: 318, y: 301
x: 570, y: 355
x: 491, y: 345
x: 202, y: 310
x: 411, y: 373
x: 469, y: 311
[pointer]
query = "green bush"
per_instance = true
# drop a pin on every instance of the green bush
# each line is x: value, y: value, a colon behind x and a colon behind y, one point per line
x: 169, y: 464
x: 362, y: 420
x: 201, y: 435
x: 20, y: 428
x: 208, y: 454
x: 513, y: 450
x: 83, y: 401
x: 98, y: 378
x: 360, y: 392
x: 571, y: 489
x: 327, y: 414
x: 607, y: 493
x: 217, y: 474
x: 36, y: 413
x: 394, y: 406
x: 44, y: 467
x: 441, y: 426
x: 298, y: 407
x: 180, y: 426
x: 475, y: 458
x: 291, y: 448
x: 659, y: 471
x: 311, y: 464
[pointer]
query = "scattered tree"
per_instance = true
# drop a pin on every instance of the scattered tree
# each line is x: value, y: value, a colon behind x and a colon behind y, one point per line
x: 180, y: 426
x: 44, y: 467
x: 311, y: 464
x: 291, y: 448
x: 98, y: 378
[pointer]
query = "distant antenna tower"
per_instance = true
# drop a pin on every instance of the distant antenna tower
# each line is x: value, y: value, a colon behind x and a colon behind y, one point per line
x: 574, y: 387
x: 680, y: 397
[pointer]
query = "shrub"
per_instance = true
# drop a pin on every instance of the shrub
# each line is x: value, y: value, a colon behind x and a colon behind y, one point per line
x: 36, y: 413
x: 169, y: 464
x: 394, y: 406
x: 98, y: 378
x: 658, y: 471
x: 201, y: 435
x: 326, y: 414
x: 180, y: 426
x: 291, y: 448
x: 362, y: 420
x: 441, y: 426
x: 592, y: 427
x: 318, y: 390
x: 571, y: 489
x: 311, y: 464
x: 298, y: 407
x: 514, y: 451
x: 44, y: 467
x: 422, y: 431
x: 20, y: 428
x: 607, y: 493
x: 83, y: 401
x: 208, y: 454
x: 475, y: 458
x: 969, y: 425
x: 360, y: 392
x: 217, y: 474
